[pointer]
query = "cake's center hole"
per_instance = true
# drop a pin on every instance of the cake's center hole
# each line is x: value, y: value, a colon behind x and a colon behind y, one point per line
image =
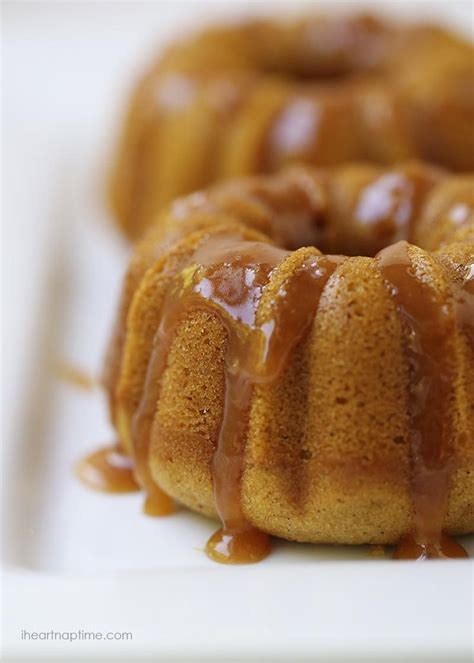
x: 356, y: 240
x: 352, y: 215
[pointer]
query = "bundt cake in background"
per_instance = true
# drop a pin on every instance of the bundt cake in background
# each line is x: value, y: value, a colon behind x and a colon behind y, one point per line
x: 294, y: 391
x: 254, y: 97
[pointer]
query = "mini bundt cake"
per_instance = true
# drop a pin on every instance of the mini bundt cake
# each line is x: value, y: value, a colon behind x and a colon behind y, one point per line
x: 251, y: 98
x: 296, y: 392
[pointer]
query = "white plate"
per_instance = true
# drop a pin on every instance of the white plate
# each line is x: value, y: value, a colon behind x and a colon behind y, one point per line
x: 79, y: 560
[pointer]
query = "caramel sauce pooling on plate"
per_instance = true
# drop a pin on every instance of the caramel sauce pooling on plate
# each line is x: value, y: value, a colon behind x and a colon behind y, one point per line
x: 108, y: 470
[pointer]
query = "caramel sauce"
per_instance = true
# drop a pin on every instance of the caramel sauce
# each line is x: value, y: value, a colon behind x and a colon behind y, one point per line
x: 244, y: 546
x: 108, y: 470
x: 157, y: 502
x: 428, y: 326
x: 445, y: 548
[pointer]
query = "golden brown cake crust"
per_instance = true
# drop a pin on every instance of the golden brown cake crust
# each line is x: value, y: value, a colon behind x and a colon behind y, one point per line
x: 327, y: 456
x: 251, y: 98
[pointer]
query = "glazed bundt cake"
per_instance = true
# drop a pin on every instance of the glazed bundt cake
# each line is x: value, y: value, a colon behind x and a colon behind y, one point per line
x: 252, y: 98
x: 295, y: 391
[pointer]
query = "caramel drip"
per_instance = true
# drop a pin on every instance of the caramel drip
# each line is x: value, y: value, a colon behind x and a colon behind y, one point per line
x: 428, y: 326
x: 260, y: 359
x: 227, y: 277
x: 238, y: 263
x: 157, y: 502
x: 108, y: 470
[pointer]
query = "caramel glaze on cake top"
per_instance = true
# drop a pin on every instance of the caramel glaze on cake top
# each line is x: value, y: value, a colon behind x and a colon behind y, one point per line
x: 251, y: 98
x: 311, y: 396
